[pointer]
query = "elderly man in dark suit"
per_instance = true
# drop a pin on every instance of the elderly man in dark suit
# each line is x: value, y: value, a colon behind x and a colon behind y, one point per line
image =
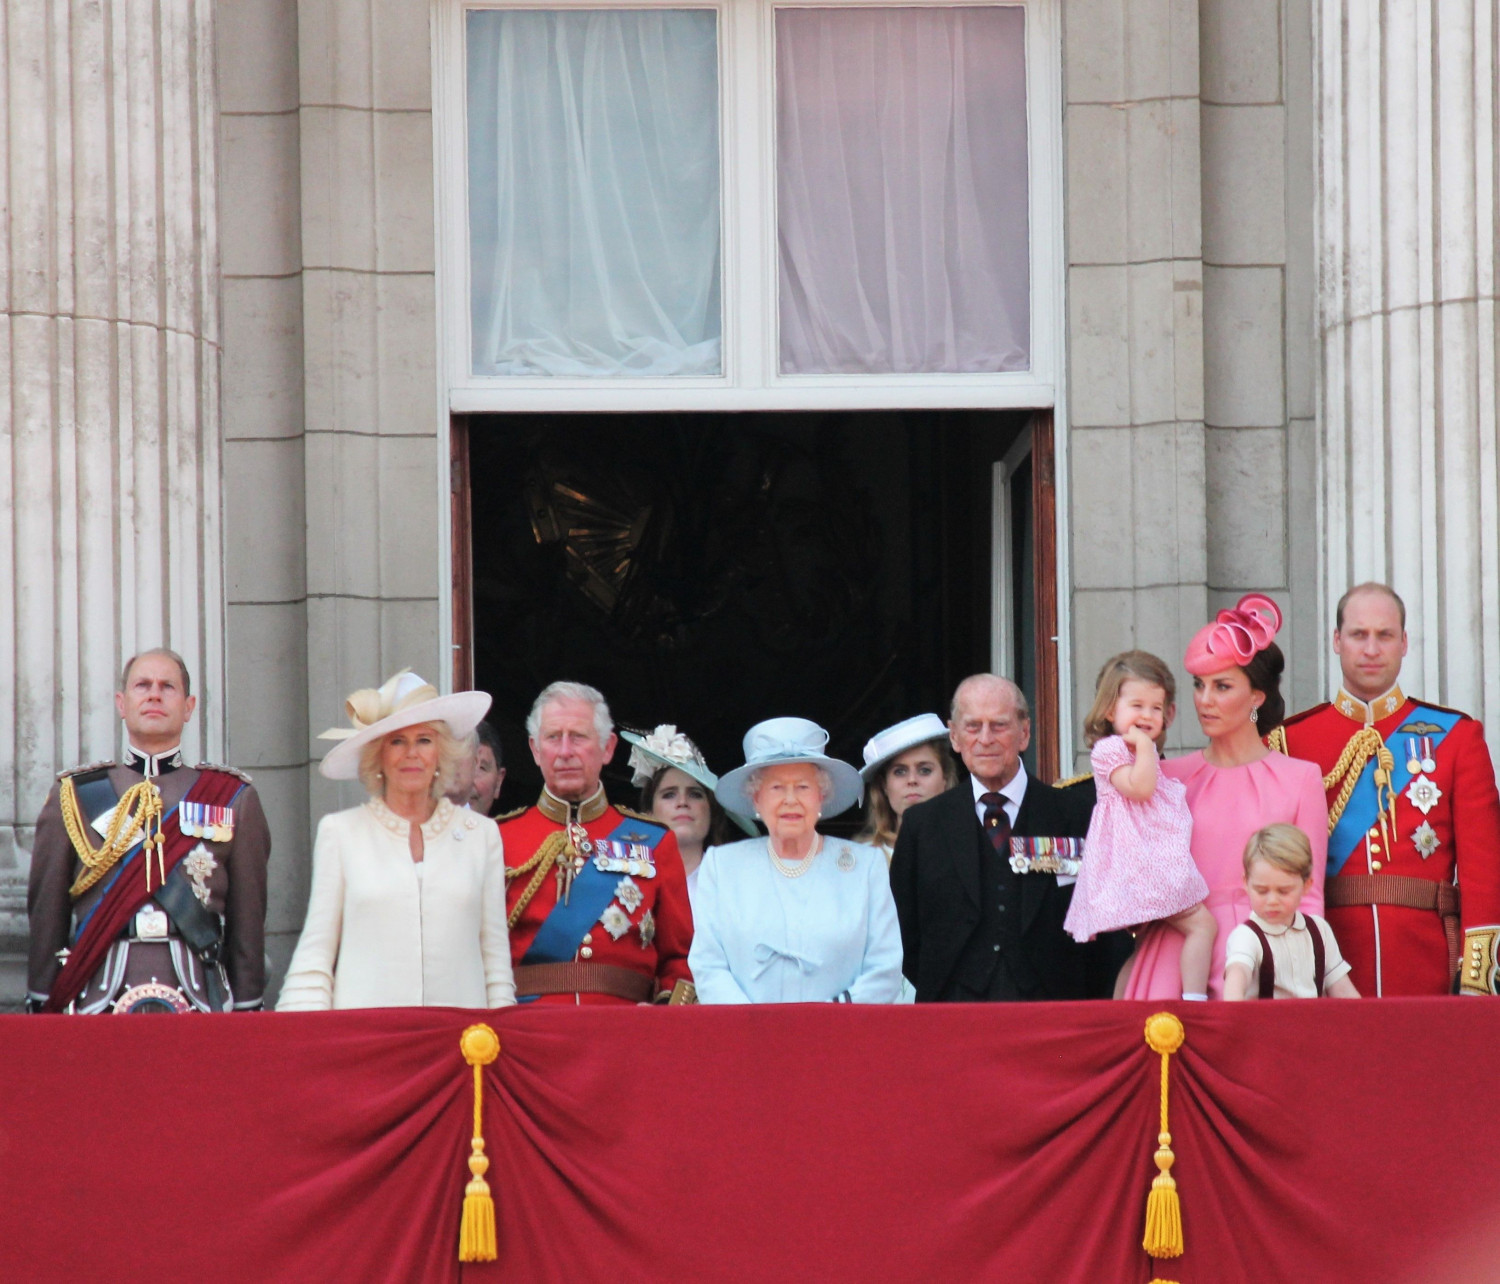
x: 972, y: 927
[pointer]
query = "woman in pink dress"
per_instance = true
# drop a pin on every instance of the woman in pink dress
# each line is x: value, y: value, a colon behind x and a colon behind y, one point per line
x: 1235, y: 786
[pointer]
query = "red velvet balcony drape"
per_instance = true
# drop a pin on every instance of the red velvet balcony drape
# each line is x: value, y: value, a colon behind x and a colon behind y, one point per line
x: 1317, y: 1140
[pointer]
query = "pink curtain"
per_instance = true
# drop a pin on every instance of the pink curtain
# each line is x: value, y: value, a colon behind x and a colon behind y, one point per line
x: 902, y: 190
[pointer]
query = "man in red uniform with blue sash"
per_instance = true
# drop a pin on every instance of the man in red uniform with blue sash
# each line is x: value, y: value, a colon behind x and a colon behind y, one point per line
x: 1413, y: 889
x: 597, y: 896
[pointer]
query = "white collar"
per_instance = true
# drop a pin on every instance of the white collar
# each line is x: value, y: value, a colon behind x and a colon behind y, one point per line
x: 1298, y: 923
x: 1012, y: 793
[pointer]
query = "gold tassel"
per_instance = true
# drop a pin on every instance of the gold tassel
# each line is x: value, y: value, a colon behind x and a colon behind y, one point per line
x: 1164, y: 1034
x: 476, y: 1234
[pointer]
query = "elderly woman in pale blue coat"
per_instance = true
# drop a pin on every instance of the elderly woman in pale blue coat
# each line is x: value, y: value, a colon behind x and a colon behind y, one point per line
x: 796, y: 916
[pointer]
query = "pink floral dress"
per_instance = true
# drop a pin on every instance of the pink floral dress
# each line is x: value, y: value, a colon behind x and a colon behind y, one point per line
x: 1137, y: 860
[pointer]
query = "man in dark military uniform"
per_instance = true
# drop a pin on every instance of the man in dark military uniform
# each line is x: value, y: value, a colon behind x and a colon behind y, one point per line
x: 597, y: 895
x: 148, y: 877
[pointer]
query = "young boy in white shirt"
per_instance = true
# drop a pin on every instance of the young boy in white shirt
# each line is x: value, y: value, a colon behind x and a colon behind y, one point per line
x: 1281, y: 952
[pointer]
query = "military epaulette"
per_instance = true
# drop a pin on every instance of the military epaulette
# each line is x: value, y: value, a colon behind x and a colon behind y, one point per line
x: 510, y: 815
x: 1306, y: 713
x: 1442, y: 708
x: 637, y: 815
x: 86, y: 767
x: 228, y: 771
x: 1072, y: 780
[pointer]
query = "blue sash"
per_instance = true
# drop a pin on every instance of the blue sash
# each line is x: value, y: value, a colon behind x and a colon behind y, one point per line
x: 1363, y: 809
x: 563, y: 930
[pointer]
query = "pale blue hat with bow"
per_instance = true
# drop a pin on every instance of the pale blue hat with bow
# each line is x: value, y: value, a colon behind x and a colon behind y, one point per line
x: 778, y: 741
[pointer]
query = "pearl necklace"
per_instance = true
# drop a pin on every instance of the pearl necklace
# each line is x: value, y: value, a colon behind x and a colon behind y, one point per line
x: 794, y: 869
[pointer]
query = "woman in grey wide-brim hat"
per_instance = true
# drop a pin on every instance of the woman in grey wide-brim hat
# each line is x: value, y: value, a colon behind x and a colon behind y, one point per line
x: 795, y: 916
x: 408, y: 891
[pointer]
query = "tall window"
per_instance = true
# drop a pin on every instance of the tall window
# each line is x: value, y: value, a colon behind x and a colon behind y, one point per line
x: 744, y: 204
x: 901, y: 190
x: 594, y: 192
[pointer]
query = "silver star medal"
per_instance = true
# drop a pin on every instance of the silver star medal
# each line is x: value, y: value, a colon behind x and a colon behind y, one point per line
x: 629, y: 894
x: 1426, y: 839
x: 200, y: 865
x: 615, y: 921
x: 1423, y: 794
x: 648, y: 929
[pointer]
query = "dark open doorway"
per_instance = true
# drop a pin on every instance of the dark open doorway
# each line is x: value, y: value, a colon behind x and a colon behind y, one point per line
x: 711, y: 570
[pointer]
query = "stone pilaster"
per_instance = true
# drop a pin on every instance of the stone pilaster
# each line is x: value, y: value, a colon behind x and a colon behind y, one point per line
x: 1135, y: 406
x: 1406, y: 173
x: 110, y: 485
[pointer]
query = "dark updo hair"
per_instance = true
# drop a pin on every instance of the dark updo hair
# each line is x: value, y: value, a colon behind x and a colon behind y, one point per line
x: 719, y: 832
x: 1264, y: 672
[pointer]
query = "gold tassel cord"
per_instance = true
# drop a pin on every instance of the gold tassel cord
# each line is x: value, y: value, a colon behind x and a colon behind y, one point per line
x: 476, y: 1233
x: 139, y: 812
x: 542, y: 862
x: 1364, y: 745
x: 1164, y: 1035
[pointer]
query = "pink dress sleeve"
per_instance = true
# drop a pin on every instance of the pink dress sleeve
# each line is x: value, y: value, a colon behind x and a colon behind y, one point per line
x: 1107, y: 756
x: 1312, y: 819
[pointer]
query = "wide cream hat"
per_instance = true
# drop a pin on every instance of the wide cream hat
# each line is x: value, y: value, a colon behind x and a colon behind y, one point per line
x: 404, y: 700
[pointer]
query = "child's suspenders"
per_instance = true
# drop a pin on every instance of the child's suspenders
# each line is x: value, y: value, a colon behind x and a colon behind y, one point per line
x: 1268, y: 964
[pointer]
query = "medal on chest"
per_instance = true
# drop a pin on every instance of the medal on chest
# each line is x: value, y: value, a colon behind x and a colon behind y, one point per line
x: 576, y: 850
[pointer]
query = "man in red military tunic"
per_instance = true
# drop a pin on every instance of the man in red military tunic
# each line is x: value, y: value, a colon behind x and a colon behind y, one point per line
x: 1413, y: 890
x: 597, y: 895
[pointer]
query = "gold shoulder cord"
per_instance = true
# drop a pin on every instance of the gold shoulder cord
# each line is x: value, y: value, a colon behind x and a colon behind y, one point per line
x: 136, y: 813
x: 1277, y: 741
x: 545, y: 858
x: 1364, y: 745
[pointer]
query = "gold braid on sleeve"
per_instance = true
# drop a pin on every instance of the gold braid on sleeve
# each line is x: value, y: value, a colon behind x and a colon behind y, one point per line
x: 136, y: 813
x: 542, y: 862
x: 1364, y: 745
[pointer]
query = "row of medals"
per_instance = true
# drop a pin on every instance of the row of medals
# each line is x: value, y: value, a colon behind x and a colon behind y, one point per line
x: 200, y: 820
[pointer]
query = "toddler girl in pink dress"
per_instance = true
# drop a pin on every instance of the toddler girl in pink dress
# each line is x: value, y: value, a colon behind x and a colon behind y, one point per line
x: 1137, y: 863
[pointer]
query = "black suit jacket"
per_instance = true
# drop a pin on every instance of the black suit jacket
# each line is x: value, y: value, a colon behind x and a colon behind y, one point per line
x: 935, y: 874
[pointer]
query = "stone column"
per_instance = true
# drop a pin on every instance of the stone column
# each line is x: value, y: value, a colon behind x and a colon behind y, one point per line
x: 1135, y: 408
x: 110, y: 485
x: 1407, y: 245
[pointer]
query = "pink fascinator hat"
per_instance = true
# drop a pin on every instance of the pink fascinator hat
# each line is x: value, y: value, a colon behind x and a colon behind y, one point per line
x: 1235, y: 637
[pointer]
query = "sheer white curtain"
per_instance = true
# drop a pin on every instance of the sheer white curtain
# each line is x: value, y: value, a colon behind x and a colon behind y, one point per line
x: 594, y: 192
x: 902, y: 190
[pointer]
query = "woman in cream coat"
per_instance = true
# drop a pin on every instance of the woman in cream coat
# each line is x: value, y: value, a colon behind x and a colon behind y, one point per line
x: 408, y: 891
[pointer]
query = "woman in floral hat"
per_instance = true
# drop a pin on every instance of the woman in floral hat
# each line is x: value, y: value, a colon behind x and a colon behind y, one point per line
x: 677, y: 789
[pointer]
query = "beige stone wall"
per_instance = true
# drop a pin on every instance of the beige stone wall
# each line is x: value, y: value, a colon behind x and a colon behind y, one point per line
x: 110, y: 498
x: 334, y: 434
x: 1190, y: 377
x: 1410, y: 401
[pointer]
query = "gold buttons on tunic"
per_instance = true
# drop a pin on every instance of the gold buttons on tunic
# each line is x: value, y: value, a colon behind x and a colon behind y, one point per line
x: 1374, y: 864
x: 586, y: 953
x: 588, y: 938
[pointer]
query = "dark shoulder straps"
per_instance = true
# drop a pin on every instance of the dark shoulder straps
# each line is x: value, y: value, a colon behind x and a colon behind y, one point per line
x: 1267, y: 963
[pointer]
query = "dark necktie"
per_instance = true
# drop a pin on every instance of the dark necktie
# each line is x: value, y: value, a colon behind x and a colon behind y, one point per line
x: 996, y: 823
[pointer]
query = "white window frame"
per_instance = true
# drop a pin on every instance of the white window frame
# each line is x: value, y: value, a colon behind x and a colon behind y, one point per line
x: 751, y: 379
